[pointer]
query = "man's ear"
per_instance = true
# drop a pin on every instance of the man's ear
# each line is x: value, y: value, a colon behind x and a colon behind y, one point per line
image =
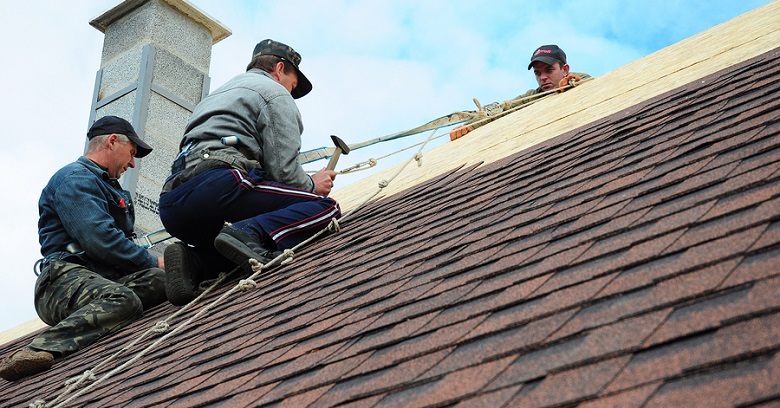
x: 112, y: 140
x: 279, y: 67
x: 278, y: 71
x: 565, y: 69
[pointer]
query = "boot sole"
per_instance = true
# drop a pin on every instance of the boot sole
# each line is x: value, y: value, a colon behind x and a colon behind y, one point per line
x: 178, y: 286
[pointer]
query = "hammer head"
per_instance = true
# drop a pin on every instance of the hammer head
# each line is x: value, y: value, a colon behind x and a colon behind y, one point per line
x: 340, y: 144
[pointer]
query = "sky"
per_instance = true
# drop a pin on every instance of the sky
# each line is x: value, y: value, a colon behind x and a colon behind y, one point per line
x: 377, y: 67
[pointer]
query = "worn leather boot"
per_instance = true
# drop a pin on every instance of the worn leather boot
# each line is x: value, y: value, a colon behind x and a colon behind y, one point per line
x: 25, y: 362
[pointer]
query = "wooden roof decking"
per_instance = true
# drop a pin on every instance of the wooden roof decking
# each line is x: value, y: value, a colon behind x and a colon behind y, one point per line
x: 633, y: 260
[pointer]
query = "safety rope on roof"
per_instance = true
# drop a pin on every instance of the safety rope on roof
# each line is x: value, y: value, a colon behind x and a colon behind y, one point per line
x: 482, y: 115
x: 249, y: 283
x: 162, y: 326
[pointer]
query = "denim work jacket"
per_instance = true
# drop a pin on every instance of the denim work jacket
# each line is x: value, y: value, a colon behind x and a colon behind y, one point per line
x: 81, y: 204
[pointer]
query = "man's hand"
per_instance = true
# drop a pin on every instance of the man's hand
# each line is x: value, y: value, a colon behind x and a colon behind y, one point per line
x: 563, y: 83
x: 458, y: 132
x: 161, y: 262
x: 323, y: 181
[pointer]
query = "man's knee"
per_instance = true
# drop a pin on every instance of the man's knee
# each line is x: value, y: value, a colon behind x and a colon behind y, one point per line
x: 149, y: 286
x: 119, y: 303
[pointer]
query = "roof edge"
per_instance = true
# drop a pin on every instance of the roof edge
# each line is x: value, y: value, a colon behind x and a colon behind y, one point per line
x: 700, y: 55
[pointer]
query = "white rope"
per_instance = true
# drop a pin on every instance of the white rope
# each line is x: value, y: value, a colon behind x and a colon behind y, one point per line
x: 246, y: 284
x: 161, y: 327
x: 87, y: 376
x: 289, y: 254
x: 284, y: 258
x: 334, y: 226
x: 155, y: 329
x: 485, y: 113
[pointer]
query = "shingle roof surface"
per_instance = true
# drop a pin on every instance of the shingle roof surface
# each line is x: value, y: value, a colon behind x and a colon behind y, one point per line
x: 634, y: 261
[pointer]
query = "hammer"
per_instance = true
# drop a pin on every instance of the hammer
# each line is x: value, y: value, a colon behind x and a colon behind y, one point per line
x: 341, y: 147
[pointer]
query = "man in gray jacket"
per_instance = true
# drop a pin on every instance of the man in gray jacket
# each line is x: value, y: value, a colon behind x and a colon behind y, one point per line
x: 238, y: 163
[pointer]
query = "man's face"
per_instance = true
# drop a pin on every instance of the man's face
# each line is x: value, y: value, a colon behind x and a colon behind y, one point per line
x: 548, y: 76
x: 289, y: 81
x: 122, y: 157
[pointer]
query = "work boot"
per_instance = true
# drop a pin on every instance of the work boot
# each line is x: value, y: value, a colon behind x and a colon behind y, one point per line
x: 24, y: 362
x: 239, y: 247
x: 182, y: 274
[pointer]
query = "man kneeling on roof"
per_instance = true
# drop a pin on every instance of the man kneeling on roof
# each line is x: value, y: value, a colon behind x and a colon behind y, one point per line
x: 551, y: 72
x: 238, y: 163
x: 94, y: 278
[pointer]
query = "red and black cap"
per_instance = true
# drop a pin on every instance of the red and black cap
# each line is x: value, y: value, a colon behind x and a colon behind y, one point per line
x: 549, y: 54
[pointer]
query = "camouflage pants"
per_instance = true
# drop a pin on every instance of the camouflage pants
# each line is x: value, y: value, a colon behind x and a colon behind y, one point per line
x: 82, y: 306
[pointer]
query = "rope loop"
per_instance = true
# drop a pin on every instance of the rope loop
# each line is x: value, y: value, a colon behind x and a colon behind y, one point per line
x: 418, y: 158
x: 161, y: 327
x: 246, y: 284
x: 289, y: 256
x: 255, y: 265
x: 365, y: 165
x: 333, y: 225
x: 86, y: 376
x: 383, y: 184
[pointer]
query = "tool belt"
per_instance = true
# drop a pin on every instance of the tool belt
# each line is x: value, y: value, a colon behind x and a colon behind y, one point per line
x: 195, y: 160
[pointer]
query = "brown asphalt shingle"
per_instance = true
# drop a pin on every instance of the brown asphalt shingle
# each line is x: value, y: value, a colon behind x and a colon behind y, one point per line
x: 633, y: 261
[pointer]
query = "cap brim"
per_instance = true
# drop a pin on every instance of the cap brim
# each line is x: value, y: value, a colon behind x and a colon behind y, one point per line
x: 304, y: 86
x: 543, y: 58
x: 141, y: 148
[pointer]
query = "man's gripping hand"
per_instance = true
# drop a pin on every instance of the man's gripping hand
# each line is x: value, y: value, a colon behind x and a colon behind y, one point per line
x: 566, y: 81
x: 323, y: 181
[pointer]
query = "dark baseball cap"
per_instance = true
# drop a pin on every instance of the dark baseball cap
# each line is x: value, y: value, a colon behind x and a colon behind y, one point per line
x: 113, y: 124
x: 271, y: 47
x: 549, y: 54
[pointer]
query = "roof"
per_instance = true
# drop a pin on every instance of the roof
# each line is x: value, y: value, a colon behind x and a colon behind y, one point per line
x: 689, y: 60
x: 631, y: 260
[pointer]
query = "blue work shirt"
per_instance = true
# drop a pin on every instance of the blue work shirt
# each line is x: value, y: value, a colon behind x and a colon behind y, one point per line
x: 81, y: 204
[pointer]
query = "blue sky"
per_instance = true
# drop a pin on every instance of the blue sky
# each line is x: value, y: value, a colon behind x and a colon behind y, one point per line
x: 377, y: 67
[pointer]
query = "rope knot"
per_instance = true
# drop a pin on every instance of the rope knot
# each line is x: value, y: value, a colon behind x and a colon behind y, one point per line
x: 246, y: 284
x: 255, y: 265
x: 418, y: 158
x: 371, y: 162
x: 38, y: 404
x: 383, y: 183
x: 86, y: 376
x: 289, y: 256
x: 160, y: 327
x: 333, y: 225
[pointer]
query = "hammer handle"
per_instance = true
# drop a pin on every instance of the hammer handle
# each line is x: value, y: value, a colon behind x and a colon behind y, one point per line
x: 334, y: 159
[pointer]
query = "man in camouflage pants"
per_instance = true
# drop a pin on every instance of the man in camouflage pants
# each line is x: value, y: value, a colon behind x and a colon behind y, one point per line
x: 94, y: 279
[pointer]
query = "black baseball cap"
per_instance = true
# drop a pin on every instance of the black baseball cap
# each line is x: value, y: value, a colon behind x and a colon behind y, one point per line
x: 271, y: 47
x: 549, y: 54
x: 113, y: 124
